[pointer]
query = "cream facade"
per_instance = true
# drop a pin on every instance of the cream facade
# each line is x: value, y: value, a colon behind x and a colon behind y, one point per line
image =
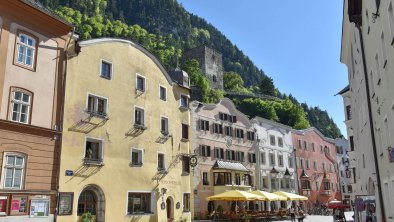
x: 368, y: 31
x: 275, y: 158
x: 125, y: 149
x: 223, y: 139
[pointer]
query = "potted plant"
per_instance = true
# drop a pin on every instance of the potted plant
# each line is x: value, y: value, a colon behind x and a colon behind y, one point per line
x: 87, y: 217
x: 246, y: 217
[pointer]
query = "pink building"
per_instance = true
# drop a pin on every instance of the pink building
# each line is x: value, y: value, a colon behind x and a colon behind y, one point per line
x: 316, y: 167
x: 223, y: 140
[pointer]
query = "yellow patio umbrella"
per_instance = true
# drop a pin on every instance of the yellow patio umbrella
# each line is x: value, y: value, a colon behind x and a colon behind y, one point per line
x: 268, y: 196
x: 290, y: 196
x: 235, y: 195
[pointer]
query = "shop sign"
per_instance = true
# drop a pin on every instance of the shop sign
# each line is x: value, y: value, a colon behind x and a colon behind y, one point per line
x: 391, y: 154
x: 69, y: 173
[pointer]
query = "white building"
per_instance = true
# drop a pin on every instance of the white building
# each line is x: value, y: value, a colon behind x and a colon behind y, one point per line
x: 274, y: 157
x: 367, y: 50
x: 345, y: 175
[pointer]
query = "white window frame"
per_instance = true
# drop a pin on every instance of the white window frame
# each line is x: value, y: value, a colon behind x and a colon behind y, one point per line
x: 180, y: 100
x: 280, y: 144
x: 272, y: 143
x: 93, y: 139
x: 143, y: 116
x: 20, y: 103
x: 141, y: 152
x: 165, y: 90
x: 95, y: 109
x: 152, y: 202
x: 280, y: 157
x: 164, y: 161
x: 34, y: 48
x: 136, y: 83
x: 183, y: 203
x: 3, y: 171
x: 167, y: 125
x: 111, y: 69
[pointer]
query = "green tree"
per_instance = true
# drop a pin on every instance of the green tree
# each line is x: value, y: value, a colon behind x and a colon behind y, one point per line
x: 232, y: 81
x: 267, y: 86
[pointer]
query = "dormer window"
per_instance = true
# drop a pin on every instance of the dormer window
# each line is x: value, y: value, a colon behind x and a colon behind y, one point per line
x: 184, y: 101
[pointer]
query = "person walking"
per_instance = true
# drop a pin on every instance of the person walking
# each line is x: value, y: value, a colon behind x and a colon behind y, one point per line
x: 292, y: 214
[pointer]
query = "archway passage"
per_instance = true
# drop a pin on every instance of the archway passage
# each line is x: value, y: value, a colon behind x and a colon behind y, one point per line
x: 92, y: 200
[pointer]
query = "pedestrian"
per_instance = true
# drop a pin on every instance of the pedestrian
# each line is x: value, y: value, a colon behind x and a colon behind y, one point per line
x: 292, y: 214
x: 301, y: 216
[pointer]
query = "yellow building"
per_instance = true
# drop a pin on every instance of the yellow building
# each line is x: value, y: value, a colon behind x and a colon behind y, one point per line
x: 125, y: 149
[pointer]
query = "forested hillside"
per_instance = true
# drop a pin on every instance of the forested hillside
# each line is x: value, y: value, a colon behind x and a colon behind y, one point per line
x: 166, y: 29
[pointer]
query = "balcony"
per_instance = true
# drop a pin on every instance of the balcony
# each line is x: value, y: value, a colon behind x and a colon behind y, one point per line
x: 306, y: 192
x: 217, y: 189
x: 325, y: 192
x: 101, y: 115
x: 92, y: 161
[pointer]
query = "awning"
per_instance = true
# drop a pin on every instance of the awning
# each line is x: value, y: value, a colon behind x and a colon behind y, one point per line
x: 229, y: 166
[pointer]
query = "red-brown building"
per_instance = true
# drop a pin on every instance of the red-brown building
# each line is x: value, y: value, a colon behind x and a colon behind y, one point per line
x: 32, y: 70
x: 317, y: 169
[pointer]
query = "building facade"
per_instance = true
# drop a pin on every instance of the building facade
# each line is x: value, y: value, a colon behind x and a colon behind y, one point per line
x: 316, y: 167
x: 32, y: 64
x: 125, y: 148
x: 368, y: 30
x: 223, y: 139
x: 275, y: 158
x: 345, y: 175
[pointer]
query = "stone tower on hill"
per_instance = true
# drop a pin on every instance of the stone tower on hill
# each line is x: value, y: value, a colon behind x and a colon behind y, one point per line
x: 211, y: 64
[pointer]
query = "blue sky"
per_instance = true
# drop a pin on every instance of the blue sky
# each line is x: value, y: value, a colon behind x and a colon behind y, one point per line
x: 297, y: 43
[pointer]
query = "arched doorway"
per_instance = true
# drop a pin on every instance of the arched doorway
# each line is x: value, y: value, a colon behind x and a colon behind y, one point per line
x: 170, y: 209
x: 92, y: 200
x: 211, y: 206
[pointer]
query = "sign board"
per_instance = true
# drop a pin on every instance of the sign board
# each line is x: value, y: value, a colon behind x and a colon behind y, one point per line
x: 69, y: 173
x: 65, y: 203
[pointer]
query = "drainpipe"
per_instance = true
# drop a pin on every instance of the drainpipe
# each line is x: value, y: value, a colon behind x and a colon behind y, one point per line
x: 61, y: 125
x: 358, y: 25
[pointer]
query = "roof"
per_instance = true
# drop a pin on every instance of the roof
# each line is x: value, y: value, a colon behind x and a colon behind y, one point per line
x: 229, y: 165
x: 347, y: 88
x: 313, y: 129
x: 259, y: 119
x: 45, y: 10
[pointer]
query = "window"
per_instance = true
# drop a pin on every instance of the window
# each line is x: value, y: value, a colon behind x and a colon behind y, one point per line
x: 87, y: 202
x: 280, y: 160
x: 185, y: 131
x: 331, y: 168
x: 263, y: 161
x: 239, y: 133
x: 106, y: 70
x: 240, y: 156
x: 230, y: 155
x: 222, y: 178
x: 164, y: 126
x: 252, y: 158
x: 250, y: 135
x: 93, y: 151
x: 351, y: 141
x: 272, y: 159
x: 290, y: 159
x: 324, y: 167
x: 302, y: 163
x: 186, y: 202
x: 161, y: 166
x: 348, y: 112
x: 280, y: 141
x: 205, y: 150
x: 204, y: 125
x: 218, y: 128
x: 305, y: 185
x: 13, y: 172
x: 219, y: 153
x: 163, y: 93
x: 237, y: 179
x: 26, y: 46
x: 205, y: 180
x: 349, y: 188
x: 272, y: 140
x: 223, y: 116
x: 326, y: 185
x: 139, y: 117
x: 313, y: 147
x: 321, y: 148
x: 315, y: 165
x: 228, y: 130
x: 185, y: 164
x: 233, y: 119
x: 139, y: 203
x: 140, y: 83
x: 184, y: 101
x: 20, y: 103
x: 136, y: 157
x: 97, y: 106
x: 299, y: 144
x: 305, y: 145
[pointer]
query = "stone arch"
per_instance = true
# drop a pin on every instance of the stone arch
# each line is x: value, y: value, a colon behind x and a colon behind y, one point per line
x: 100, y: 200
